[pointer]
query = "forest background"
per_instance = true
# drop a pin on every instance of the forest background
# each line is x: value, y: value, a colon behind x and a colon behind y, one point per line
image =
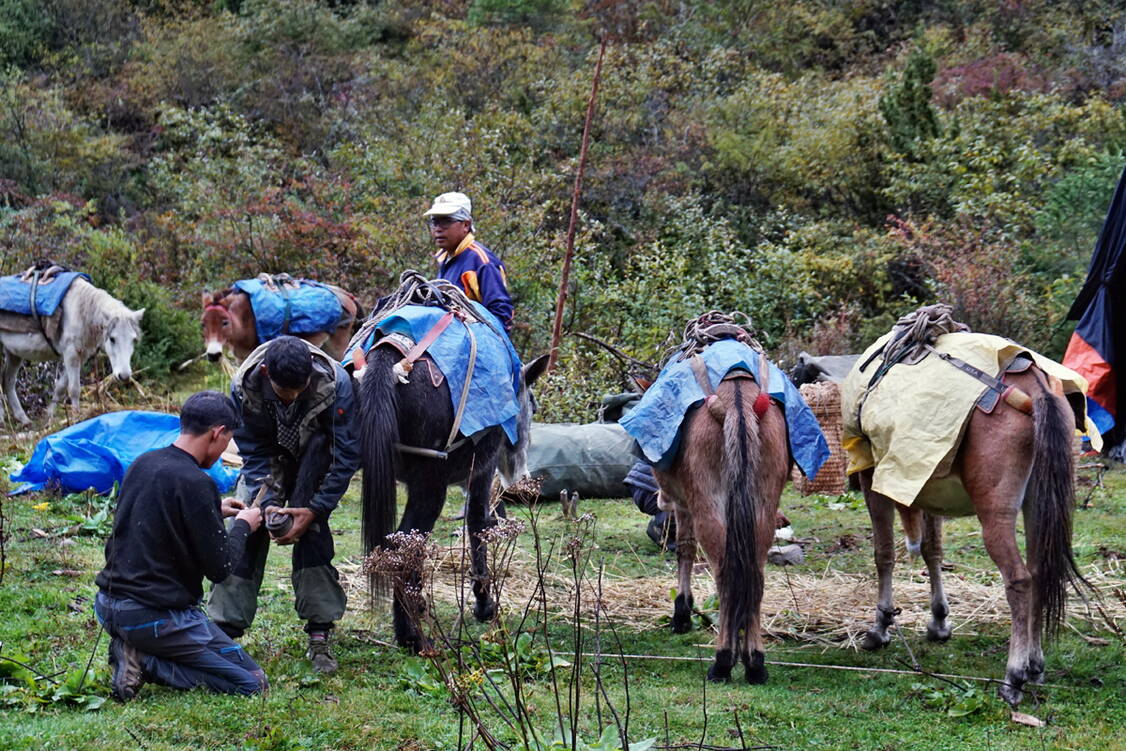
x: 823, y: 166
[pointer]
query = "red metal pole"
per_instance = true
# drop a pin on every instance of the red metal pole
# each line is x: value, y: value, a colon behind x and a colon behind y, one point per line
x: 561, y: 300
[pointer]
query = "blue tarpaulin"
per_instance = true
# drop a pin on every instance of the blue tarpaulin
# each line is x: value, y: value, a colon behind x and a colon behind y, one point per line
x: 656, y: 420
x: 310, y: 308
x: 496, y: 374
x: 95, y: 453
x: 15, y: 294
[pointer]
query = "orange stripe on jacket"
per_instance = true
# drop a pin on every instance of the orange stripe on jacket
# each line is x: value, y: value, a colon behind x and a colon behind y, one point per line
x: 469, y: 284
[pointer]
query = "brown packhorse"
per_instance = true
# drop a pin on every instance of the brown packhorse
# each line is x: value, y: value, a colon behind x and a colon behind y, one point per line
x: 724, y: 486
x: 1009, y: 462
x: 228, y: 320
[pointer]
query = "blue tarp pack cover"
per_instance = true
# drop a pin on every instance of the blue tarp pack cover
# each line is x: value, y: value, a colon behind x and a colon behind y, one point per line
x: 656, y: 420
x: 15, y: 294
x: 95, y: 453
x: 310, y: 308
x: 496, y: 374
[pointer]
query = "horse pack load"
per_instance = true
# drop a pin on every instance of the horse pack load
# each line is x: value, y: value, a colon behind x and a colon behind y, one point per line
x: 910, y: 446
x: 39, y: 292
x: 291, y: 306
x: 940, y: 421
x: 472, y: 354
x: 655, y: 422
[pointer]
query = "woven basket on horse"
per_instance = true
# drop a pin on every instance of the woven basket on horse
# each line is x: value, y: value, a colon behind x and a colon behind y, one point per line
x: 824, y: 399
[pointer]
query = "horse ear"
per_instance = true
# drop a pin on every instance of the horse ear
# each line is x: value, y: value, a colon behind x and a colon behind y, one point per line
x: 138, y: 314
x: 642, y: 384
x: 206, y: 297
x: 535, y: 369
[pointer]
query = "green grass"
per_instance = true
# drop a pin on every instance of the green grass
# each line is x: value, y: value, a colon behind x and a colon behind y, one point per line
x: 46, y: 593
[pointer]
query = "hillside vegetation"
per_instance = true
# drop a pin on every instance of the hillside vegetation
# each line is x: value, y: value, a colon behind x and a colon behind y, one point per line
x: 823, y: 166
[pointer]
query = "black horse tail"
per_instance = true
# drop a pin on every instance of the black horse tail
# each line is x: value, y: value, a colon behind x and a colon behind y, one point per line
x: 1052, y: 489
x: 379, y: 432
x: 741, y: 579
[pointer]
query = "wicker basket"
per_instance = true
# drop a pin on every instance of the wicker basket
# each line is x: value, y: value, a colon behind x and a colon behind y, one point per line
x: 825, y: 400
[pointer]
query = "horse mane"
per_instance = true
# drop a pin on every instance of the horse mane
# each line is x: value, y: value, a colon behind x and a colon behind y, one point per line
x: 98, y: 309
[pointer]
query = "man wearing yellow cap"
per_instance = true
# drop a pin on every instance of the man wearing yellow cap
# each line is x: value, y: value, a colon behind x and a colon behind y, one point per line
x: 464, y: 261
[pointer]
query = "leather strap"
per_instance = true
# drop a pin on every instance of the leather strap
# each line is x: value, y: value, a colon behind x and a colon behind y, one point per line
x: 419, y: 349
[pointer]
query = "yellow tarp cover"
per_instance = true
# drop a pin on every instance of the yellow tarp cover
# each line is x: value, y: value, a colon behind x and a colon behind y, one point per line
x: 914, y: 418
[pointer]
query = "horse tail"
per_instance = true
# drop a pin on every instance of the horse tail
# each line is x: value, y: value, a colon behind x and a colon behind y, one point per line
x: 1052, y: 489
x: 379, y: 432
x: 741, y: 579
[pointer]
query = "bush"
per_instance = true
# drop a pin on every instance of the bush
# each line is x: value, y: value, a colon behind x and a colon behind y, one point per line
x: 170, y: 335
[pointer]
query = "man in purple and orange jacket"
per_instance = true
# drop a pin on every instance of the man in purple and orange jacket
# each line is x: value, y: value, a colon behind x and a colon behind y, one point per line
x: 464, y: 261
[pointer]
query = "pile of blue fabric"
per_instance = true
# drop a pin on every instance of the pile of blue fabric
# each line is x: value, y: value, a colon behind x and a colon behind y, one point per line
x: 656, y: 420
x: 496, y: 373
x: 15, y: 293
x: 311, y: 308
x: 96, y: 453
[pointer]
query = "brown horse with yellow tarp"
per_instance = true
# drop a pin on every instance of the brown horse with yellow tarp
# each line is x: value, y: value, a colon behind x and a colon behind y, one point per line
x: 939, y: 422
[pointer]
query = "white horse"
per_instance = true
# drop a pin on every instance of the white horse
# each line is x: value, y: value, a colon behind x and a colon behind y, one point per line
x: 91, y: 318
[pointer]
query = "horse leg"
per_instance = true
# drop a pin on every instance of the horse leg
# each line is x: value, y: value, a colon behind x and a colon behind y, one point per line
x: 72, y: 365
x: 883, y: 542
x: 11, y: 368
x: 1035, y: 606
x: 426, y: 493
x: 62, y: 381
x: 685, y: 560
x: 998, y: 526
x: 938, y: 629
x: 477, y: 520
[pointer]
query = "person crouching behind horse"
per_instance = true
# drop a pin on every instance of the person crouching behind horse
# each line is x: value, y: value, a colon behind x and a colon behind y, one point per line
x: 300, y: 437
x: 167, y: 535
x: 464, y: 261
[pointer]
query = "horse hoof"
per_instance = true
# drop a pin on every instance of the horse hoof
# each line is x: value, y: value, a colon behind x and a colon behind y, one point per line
x: 1011, y: 693
x: 874, y: 640
x: 938, y: 634
x: 485, y: 611
x: 717, y: 674
x: 681, y: 624
x: 755, y: 669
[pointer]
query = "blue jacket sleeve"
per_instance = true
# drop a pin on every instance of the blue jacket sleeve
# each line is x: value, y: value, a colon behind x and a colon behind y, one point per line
x: 345, y: 448
x: 494, y: 294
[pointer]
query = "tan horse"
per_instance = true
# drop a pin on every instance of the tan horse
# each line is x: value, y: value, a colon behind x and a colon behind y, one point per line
x: 1009, y: 463
x: 724, y: 485
x: 228, y: 320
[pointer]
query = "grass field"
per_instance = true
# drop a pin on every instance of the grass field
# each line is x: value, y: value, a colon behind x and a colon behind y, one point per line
x: 382, y: 698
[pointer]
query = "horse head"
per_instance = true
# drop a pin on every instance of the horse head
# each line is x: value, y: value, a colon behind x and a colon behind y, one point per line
x: 513, y: 459
x: 216, y: 323
x: 122, y: 333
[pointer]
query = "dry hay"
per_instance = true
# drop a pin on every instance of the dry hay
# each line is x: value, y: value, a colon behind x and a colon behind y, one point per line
x: 833, y: 608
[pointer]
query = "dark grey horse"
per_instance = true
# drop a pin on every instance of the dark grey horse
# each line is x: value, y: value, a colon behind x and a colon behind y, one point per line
x: 420, y: 414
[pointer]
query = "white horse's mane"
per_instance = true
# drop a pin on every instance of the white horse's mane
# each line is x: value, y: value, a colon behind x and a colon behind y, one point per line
x: 98, y: 310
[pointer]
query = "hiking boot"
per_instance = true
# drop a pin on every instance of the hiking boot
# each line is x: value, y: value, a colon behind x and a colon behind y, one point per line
x: 320, y: 653
x: 128, y: 674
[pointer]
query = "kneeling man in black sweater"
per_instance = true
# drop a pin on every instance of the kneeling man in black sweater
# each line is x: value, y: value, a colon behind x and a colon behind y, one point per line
x: 168, y: 534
